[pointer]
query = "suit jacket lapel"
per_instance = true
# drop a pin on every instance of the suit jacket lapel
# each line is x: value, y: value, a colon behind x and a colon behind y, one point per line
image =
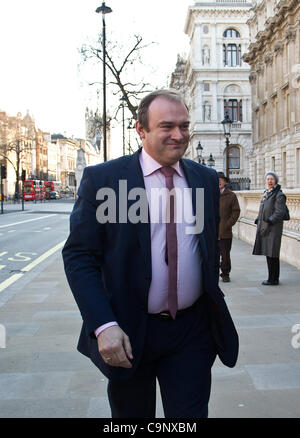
x: 195, y: 180
x: 132, y: 173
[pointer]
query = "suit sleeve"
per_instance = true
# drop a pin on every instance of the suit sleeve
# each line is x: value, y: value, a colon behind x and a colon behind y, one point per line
x: 83, y: 258
x: 235, y: 211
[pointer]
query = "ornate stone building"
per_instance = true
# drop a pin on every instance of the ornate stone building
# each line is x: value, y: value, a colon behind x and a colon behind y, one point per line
x: 274, y: 57
x: 23, y: 146
x: 215, y: 81
x: 17, y: 149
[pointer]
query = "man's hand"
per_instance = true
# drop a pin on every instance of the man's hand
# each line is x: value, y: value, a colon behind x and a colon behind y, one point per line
x: 115, y: 348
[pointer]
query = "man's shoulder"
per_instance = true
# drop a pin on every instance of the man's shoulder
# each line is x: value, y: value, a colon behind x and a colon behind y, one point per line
x: 190, y: 164
x: 108, y: 166
x: 229, y: 192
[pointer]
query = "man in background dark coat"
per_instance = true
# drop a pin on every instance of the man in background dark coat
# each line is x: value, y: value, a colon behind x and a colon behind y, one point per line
x: 229, y: 214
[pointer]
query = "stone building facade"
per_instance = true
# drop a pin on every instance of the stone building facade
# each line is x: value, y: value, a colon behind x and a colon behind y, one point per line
x: 23, y: 146
x: 274, y: 57
x: 17, y: 148
x: 215, y: 81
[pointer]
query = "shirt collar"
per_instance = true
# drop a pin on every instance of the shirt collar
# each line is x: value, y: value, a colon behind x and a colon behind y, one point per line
x: 149, y: 165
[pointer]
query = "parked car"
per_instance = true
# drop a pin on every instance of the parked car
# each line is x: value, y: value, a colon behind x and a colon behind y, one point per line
x: 53, y: 195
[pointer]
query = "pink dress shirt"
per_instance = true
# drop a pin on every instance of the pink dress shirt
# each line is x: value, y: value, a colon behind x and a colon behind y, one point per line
x: 189, y: 279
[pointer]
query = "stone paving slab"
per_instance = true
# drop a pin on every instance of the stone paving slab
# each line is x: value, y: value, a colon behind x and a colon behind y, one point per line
x: 30, y: 386
x: 263, y: 321
x: 275, y: 376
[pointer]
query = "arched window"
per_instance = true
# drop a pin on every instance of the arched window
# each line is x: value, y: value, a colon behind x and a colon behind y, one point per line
x: 234, y: 157
x: 231, y: 33
x: 232, y: 56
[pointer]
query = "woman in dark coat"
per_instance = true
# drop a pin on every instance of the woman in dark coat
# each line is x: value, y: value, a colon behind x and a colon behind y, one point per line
x: 269, y: 222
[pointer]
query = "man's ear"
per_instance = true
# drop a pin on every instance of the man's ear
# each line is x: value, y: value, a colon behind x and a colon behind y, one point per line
x: 140, y: 130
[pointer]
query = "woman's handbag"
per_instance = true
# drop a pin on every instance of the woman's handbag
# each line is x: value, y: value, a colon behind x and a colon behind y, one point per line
x: 287, y: 214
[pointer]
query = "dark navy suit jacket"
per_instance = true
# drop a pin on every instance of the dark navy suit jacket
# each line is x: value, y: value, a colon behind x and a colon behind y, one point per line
x: 108, y: 266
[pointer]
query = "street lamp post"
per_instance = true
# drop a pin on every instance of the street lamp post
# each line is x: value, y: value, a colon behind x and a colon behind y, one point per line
x: 199, y: 150
x: 123, y: 121
x: 104, y: 10
x: 227, y: 122
x: 129, y: 127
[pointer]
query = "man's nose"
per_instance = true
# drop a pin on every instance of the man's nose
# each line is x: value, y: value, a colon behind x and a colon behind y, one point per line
x: 176, y: 133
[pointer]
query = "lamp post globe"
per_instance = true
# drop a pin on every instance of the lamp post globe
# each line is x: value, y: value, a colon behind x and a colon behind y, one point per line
x: 199, y: 150
x: 211, y: 161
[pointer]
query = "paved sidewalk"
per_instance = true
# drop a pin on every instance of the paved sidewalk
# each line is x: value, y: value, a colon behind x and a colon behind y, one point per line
x: 52, y: 206
x: 43, y: 375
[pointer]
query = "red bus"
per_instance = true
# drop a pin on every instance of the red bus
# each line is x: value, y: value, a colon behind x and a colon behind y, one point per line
x: 33, y: 190
x: 51, y: 186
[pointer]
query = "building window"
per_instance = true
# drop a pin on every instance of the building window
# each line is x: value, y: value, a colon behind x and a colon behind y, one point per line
x: 234, y: 109
x: 231, y: 33
x: 234, y: 157
x: 232, y: 56
x: 206, y: 86
x: 283, y: 172
x: 273, y: 165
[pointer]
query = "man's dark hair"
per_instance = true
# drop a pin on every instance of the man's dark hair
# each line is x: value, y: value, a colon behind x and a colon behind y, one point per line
x: 171, y: 94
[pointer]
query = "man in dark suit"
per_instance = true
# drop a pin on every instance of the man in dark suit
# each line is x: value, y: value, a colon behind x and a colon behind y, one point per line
x: 146, y: 282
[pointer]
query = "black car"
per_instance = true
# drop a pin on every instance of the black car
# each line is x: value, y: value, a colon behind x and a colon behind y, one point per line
x: 53, y: 195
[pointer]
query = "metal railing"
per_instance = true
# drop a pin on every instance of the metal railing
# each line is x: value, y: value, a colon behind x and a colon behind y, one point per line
x: 238, y: 184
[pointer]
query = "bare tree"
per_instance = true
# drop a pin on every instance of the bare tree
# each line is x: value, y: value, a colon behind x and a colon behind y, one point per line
x: 121, y: 68
x: 15, y: 145
x: 14, y: 152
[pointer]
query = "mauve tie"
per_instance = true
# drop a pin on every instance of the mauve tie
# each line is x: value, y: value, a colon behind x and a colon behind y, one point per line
x: 171, y: 244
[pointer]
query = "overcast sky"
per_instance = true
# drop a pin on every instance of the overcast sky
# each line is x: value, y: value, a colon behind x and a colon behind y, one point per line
x: 39, y: 52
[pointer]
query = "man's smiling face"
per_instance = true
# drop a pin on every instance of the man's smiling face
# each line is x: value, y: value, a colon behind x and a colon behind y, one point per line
x: 167, y: 138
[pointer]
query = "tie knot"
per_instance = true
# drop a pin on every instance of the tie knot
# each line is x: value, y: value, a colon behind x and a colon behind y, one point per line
x: 167, y: 171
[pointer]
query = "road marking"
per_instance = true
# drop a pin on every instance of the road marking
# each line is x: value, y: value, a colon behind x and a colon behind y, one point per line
x: 43, y: 257
x: 22, y: 257
x: 2, y: 266
x: 12, y: 231
x: 28, y: 220
x: 10, y: 281
x: 30, y: 266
